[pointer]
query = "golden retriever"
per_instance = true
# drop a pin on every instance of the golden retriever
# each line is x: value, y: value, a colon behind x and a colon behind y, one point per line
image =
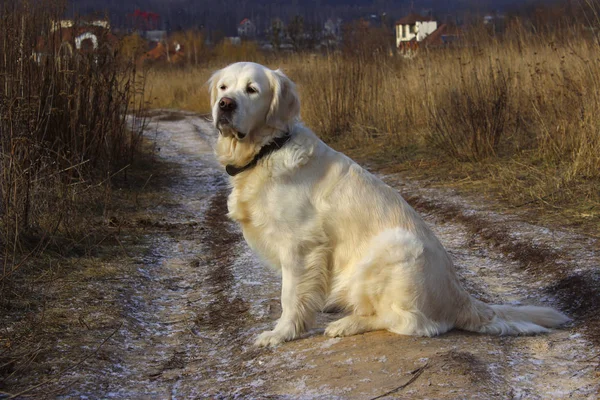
x: 338, y: 234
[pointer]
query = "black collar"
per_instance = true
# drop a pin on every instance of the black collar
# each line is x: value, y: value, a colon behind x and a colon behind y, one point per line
x: 276, y: 144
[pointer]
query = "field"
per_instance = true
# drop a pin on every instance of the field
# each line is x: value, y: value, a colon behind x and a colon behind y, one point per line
x: 516, y: 118
x: 121, y: 275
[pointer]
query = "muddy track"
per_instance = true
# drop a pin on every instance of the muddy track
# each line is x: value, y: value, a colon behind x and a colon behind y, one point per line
x: 222, y: 311
x: 190, y: 297
x: 577, y: 290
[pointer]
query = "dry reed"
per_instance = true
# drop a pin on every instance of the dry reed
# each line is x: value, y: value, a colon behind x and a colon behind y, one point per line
x: 64, y: 131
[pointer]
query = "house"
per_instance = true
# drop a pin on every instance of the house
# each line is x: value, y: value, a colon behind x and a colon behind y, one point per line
x: 165, y: 51
x: 246, y: 28
x: 413, y: 29
x: 154, y: 35
x: 68, y: 38
x: 332, y: 29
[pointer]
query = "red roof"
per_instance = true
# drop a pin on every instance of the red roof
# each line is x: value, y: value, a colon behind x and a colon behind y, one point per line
x: 145, y: 15
x: 144, y: 19
x: 159, y: 53
x: 445, y: 35
x: 412, y: 19
x: 244, y: 21
x: 436, y: 38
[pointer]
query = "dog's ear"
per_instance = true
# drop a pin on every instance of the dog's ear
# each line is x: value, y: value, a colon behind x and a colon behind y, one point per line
x: 285, y: 105
x: 212, y: 87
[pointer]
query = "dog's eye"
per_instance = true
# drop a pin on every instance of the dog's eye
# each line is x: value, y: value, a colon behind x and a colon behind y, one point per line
x: 222, y: 87
x: 250, y: 90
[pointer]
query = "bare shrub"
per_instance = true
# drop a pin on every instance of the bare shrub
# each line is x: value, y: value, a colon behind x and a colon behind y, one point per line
x: 468, y: 119
x: 363, y: 41
x: 132, y: 47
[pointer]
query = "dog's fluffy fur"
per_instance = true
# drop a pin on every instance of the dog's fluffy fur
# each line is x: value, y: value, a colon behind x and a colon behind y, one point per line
x: 339, y: 236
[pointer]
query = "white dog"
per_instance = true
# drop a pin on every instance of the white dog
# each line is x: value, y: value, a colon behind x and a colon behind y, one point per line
x: 339, y: 235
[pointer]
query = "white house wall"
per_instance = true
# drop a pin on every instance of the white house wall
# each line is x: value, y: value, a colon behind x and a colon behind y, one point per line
x: 422, y: 30
x: 425, y: 29
x: 403, y: 34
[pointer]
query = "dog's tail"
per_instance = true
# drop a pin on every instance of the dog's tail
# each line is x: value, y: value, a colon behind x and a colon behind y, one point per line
x: 509, y: 320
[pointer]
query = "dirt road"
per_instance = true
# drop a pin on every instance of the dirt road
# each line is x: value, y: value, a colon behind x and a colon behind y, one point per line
x: 190, y: 298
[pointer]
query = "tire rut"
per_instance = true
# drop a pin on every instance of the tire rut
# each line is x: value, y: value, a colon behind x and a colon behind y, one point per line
x: 576, y: 290
x: 225, y: 310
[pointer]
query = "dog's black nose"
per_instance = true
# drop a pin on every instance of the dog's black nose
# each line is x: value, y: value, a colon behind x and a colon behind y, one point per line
x: 227, y: 104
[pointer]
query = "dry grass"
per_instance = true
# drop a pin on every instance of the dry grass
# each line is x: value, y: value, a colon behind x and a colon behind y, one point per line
x: 184, y: 87
x: 64, y: 134
x: 181, y: 88
x: 521, y: 114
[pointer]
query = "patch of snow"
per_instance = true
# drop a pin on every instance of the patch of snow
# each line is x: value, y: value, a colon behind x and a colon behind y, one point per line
x: 330, y: 342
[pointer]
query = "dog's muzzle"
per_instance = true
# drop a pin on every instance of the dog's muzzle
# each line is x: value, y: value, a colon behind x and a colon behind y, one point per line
x: 226, y: 128
x: 227, y: 106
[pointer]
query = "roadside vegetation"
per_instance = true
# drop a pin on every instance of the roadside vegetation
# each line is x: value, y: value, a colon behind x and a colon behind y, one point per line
x: 64, y: 132
x: 513, y: 115
x: 65, y: 135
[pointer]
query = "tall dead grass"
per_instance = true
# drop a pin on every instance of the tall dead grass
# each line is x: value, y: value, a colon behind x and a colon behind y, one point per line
x: 179, y: 88
x: 525, y: 106
x: 64, y: 131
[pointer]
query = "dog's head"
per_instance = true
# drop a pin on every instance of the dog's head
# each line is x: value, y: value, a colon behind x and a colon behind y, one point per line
x: 250, y: 101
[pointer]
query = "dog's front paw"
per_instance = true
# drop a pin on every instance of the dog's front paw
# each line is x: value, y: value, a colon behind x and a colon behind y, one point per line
x: 269, y: 338
x: 335, y: 329
x: 346, y: 326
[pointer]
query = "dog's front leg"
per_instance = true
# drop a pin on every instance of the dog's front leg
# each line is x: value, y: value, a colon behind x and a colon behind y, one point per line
x: 303, y: 291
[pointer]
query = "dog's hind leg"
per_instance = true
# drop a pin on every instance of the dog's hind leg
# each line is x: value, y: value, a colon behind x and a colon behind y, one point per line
x: 384, y: 289
x: 303, y: 293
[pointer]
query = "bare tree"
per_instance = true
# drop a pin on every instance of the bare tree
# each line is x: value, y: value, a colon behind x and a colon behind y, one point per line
x: 296, y: 32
